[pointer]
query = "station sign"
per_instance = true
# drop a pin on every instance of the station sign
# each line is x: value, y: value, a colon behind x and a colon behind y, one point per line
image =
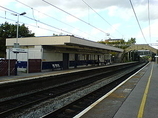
x: 156, y: 56
x: 19, y: 50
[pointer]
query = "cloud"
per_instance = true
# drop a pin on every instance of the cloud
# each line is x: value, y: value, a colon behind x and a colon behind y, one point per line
x: 123, y: 13
x: 35, y: 3
x: 118, y: 13
x: 70, y: 19
x: 140, y: 9
x: 122, y: 8
x: 6, y: 2
x: 154, y: 34
x: 39, y: 31
x: 79, y: 4
x: 113, y: 29
x: 95, y: 31
x: 142, y: 12
x: 153, y: 31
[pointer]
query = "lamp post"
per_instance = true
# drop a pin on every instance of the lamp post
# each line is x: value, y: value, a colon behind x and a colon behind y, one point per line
x: 16, y: 45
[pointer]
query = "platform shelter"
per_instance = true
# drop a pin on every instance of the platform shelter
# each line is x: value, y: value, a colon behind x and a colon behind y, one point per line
x: 61, y: 51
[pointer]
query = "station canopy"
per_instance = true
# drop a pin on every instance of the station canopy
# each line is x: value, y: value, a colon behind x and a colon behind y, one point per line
x: 64, y: 44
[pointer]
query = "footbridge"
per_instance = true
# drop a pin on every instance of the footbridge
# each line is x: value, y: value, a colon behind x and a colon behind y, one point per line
x: 134, y: 52
x: 141, y: 47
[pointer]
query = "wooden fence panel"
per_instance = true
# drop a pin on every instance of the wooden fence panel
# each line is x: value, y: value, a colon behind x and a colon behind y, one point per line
x: 4, y: 67
x: 34, y: 65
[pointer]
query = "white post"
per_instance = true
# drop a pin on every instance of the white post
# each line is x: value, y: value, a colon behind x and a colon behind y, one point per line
x: 27, y: 60
x: 16, y: 45
x: 156, y: 57
x: 9, y: 62
x: 41, y: 57
x: 17, y: 31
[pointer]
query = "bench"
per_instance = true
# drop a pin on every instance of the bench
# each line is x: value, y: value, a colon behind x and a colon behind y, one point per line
x: 56, y: 66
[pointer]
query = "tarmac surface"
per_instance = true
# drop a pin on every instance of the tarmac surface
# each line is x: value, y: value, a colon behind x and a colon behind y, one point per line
x: 136, y: 98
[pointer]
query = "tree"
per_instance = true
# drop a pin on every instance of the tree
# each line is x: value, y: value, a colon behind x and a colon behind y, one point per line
x: 120, y: 43
x: 132, y: 41
x: 9, y: 31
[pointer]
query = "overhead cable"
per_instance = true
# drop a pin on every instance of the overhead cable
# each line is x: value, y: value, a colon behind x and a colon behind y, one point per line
x: 50, y: 17
x: 7, y: 18
x: 29, y: 24
x: 39, y: 21
x: 149, y: 21
x: 74, y: 16
x: 101, y: 17
x: 137, y: 21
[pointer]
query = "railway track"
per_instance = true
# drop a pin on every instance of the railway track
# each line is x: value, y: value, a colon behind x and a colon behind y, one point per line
x: 71, y: 110
x: 19, y: 106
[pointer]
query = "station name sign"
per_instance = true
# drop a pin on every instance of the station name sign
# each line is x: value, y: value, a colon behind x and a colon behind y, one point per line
x: 19, y: 50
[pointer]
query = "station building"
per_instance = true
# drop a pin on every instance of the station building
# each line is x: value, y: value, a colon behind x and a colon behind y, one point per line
x: 65, y: 51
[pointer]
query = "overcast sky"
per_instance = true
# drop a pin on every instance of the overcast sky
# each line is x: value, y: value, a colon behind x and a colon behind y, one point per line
x: 95, y: 18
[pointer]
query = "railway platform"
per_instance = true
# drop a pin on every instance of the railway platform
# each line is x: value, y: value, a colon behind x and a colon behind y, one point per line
x: 135, y: 98
x: 23, y: 75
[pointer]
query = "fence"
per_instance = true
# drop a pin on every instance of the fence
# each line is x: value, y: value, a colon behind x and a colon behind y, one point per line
x: 8, y: 67
x: 34, y: 65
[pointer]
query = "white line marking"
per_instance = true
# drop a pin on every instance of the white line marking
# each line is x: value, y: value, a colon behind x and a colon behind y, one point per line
x: 106, y: 95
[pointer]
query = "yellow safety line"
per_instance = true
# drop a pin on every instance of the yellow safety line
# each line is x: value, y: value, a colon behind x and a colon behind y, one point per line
x: 141, y: 109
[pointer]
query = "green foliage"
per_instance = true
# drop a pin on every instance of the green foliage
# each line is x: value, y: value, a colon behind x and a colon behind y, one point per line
x: 131, y: 41
x: 25, y: 32
x: 120, y: 43
x: 9, y: 31
x: 146, y: 57
x: 55, y: 34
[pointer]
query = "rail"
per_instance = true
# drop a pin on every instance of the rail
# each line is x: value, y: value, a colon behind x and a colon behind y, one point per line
x: 58, y: 88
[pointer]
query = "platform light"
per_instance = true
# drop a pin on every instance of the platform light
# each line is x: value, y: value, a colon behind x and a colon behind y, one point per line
x: 16, y: 45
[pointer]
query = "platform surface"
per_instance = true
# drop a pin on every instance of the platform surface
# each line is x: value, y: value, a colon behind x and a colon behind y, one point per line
x: 23, y: 75
x: 137, y: 98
